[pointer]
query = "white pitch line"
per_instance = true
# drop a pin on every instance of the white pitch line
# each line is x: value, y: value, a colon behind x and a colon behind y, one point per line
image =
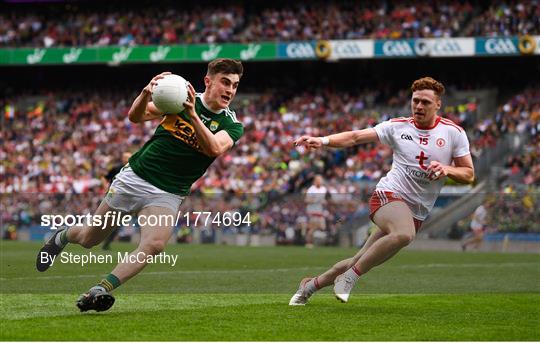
x: 281, y: 270
x: 467, y: 265
x: 221, y: 271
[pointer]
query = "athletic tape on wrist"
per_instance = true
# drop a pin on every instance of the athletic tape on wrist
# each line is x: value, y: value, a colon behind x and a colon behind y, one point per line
x: 325, y: 140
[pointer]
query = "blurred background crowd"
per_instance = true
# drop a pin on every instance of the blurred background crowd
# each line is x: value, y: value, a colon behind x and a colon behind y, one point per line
x: 143, y: 23
x: 58, y: 144
x: 57, y: 152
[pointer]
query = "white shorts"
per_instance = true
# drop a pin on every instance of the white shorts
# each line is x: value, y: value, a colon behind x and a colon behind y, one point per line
x: 318, y: 219
x: 130, y: 193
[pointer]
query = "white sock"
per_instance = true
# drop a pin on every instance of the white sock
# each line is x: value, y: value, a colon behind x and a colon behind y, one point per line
x: 352, y: 273
x: 311, y: 286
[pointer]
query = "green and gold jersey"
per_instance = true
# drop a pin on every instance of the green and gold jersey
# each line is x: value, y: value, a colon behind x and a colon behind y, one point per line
x: 172, y: 159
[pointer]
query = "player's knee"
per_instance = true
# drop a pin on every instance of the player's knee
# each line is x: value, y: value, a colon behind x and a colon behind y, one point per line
x: 88, y: 242
x: 153, y: 247
x: 404, y: 238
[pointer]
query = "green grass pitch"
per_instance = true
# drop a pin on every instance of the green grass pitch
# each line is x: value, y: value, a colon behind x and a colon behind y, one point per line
x: 242, y: 293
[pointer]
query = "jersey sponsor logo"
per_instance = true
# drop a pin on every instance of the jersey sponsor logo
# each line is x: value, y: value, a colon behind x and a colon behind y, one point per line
x: 419, y: 175
x: 421, y: 158
x: 407, y: 137
x: 440, y: 142
x: 182, y: 130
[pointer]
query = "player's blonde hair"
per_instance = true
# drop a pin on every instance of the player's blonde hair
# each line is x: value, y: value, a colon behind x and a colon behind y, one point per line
x: 428, y: 83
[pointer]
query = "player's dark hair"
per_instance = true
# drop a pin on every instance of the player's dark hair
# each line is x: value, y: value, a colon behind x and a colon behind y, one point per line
x: 428, y: 83
x: 225, y: 66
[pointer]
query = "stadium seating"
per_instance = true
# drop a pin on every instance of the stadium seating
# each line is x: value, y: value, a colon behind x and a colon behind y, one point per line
x: 84, y: 24
x: 61, y: 144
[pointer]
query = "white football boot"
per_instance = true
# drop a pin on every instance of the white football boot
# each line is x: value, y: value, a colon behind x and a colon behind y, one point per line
x: 301, y: 297
x: 343, y: 286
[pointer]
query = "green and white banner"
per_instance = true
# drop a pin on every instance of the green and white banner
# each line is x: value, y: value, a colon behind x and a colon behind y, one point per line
x: 298, y: 50
x: 138, y: 54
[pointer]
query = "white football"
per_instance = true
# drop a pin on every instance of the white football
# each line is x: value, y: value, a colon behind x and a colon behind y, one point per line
x: 170, y: 93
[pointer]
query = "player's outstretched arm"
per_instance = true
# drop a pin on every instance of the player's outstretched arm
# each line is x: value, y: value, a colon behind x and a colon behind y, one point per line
x: 339, y: 140
x: 212, y: 145
x: 142, y: 108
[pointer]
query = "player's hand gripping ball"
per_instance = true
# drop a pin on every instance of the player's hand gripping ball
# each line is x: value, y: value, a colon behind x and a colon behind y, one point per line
x: 170, y: 93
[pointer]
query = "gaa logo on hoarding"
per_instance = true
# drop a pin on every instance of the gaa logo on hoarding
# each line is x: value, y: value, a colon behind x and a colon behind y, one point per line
x: 397, y: 48
x: 300, y: 50
x: 500, y: 46
x: 438, y: 47
x: 347, y: 49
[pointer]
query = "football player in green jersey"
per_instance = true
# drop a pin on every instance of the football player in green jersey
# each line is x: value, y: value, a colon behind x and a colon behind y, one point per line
x: 157, y: 177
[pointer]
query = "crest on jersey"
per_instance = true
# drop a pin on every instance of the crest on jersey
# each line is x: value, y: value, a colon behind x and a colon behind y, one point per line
x: 440, y: 142
x: 214, y: 125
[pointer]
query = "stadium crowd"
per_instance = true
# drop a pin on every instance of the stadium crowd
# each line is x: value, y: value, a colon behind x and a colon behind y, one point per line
x: 83, y: 24
x: 57, y: 150
x: 506, y: 18
x: 46, y: 156
x: 513, y: 207
x: 517, y: 209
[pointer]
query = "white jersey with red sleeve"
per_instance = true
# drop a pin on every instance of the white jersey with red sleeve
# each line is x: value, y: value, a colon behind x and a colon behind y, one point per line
x: 413, y: 150
x: 316, y: 198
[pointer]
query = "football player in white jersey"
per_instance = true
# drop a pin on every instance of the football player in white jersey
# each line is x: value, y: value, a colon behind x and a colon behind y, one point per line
x: 478, y: 227
x: 315, y: 200
x: 426, y: 150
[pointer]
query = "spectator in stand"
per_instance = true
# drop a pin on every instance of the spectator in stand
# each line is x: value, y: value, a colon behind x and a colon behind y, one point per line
x: 507, y: 18
x: 84, y: 24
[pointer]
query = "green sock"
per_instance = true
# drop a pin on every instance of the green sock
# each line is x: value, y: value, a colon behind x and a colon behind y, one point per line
x: 110, y: 282
x: 63, y: 237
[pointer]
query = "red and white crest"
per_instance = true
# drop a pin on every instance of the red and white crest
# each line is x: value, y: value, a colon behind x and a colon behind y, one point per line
x: 440, y: 142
